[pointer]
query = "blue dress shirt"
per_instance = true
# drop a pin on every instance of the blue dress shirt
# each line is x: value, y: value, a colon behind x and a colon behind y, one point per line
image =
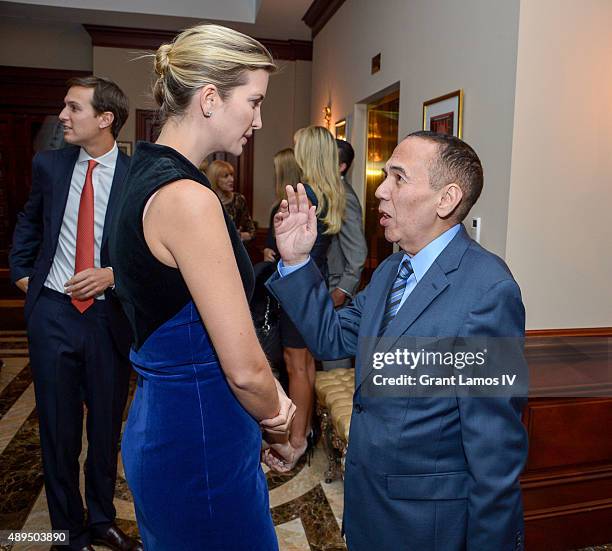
x: 421, y: 262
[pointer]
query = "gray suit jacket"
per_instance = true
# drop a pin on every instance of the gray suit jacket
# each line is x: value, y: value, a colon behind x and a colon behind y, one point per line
x: 348, y: 250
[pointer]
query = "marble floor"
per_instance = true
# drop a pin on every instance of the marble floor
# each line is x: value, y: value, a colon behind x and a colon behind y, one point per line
x: 307, y: 511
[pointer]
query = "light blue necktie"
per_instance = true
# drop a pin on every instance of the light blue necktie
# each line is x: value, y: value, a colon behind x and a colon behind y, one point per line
x: 396, y: 293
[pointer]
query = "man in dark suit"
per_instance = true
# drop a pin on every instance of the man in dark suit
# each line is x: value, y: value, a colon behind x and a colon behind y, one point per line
x: 78, y: 335
x: 433, y: 472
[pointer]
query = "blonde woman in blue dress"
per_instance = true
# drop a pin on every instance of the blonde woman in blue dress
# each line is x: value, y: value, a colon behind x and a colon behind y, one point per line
x: 191, y: 446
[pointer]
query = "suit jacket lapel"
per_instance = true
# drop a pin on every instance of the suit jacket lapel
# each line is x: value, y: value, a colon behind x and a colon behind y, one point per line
x: 431, y: 285
x: 425, y: 292
x: 378, y: 291
x: 61, y: 188
x: 113, y: 200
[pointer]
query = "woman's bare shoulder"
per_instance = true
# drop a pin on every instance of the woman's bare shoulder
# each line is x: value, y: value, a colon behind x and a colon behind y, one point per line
x: 184, y: 198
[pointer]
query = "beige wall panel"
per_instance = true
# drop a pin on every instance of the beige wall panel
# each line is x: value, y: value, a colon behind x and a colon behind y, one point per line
x: 301, y: 100
x: 133, y: 74
x: 430, y: 48
x: 46, y: 44
x: 559, y: 230
x: 284, y: 110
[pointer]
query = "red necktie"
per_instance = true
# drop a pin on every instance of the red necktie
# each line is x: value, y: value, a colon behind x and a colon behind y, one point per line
x: 84, y: 256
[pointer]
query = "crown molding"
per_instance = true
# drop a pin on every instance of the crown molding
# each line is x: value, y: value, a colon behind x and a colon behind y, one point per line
x: 290, y: 50
x: 319, y: 13
x: 151, y: 39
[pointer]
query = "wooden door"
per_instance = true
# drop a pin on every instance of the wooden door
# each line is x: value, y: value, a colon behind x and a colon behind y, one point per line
x: 383, y: 116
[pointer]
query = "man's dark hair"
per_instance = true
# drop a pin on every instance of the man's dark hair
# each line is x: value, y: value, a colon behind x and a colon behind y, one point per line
x: 346, y: 154
x: 107, y: 97
x: 456, y: 162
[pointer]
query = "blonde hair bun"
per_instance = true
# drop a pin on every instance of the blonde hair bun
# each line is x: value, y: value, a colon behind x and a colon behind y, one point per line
x: 202, y: 55
x: 162, y: 59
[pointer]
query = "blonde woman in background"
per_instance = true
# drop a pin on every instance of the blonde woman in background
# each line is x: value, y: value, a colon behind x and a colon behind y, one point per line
x: 316, y: 154
x: 221, y: 176
x: 191, y: 446
x: 286, y: 173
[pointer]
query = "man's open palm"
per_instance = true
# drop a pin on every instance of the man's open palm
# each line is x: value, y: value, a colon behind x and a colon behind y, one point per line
x: 295, y: 226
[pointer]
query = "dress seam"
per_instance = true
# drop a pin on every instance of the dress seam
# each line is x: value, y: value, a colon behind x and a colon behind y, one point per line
x: 195, y: 373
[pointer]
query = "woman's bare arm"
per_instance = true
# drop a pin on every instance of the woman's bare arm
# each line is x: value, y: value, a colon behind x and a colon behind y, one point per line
x: 184, y: 227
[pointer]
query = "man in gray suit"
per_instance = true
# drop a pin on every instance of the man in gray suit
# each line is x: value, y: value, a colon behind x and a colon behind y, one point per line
x: 348, y: 249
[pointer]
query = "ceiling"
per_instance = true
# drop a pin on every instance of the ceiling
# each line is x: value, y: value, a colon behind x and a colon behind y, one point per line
x: 277, y: 19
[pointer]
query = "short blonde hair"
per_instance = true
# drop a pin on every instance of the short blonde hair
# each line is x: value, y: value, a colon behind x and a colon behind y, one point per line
x: 287, y: 172
x: 317, y: 154
x: 202, y: 55
x: 218, y: 169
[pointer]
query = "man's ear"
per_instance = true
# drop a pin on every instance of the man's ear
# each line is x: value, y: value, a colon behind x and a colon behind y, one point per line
x: 342, y: 168
x: 450, y: 199
x: 106, y: 119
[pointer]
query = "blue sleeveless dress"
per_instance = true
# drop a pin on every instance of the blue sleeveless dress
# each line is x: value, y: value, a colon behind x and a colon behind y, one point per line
x: 190, y: 450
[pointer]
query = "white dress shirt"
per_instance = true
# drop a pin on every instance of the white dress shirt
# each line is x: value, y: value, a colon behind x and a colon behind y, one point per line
x: 62, y: 268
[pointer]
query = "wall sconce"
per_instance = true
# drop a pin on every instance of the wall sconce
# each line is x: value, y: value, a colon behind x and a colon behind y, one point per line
x: 327, y: 116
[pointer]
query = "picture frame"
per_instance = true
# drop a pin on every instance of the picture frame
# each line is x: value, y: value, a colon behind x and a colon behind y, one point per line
x: 125, y: 147
x: 340, y: 129
x: 444, y: 114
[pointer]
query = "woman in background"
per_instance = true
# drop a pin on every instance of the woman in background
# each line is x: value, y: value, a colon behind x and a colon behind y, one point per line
x: 191, y: 446
x: 221, y: 176
x: 316, y: 155
x: 287, y: 172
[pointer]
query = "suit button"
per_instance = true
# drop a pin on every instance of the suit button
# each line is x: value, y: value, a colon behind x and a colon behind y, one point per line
x: 358, y: 408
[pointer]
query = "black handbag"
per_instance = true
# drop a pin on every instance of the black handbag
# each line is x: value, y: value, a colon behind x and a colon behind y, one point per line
x: 265, y: 311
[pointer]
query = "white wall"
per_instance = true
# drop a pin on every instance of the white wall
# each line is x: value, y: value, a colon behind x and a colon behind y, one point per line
x: 430, y: 47
x: 285, y: 109
x: 28, y: 42
x: 134, y: 75
x: 559, y: 228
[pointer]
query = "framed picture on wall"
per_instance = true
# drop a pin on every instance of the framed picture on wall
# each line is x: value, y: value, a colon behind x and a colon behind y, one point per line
x: 444, y: 114
x: 341, y: 129
x: 125, y: 147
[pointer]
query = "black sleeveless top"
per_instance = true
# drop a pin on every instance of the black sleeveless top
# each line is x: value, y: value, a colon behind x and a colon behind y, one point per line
x: 151, y: 293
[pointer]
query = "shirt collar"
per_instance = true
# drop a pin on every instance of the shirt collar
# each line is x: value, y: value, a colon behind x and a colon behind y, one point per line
x: 422, y: 261
x: 109, y: 159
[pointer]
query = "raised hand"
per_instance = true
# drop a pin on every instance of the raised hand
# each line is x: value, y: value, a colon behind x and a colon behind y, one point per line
x: 295, y: 226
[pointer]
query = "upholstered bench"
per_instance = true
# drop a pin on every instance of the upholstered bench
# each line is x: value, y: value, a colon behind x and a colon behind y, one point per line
x: 334, y: 390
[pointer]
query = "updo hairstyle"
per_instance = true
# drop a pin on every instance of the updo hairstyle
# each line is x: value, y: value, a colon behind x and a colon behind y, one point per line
x: 205, y: 54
